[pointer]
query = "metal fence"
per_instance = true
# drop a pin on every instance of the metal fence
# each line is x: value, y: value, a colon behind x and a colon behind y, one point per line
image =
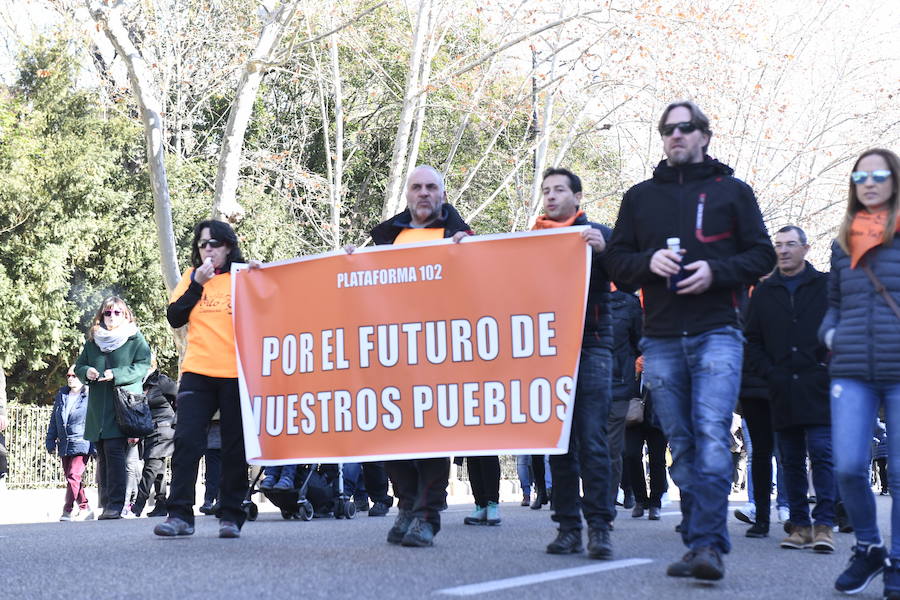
x: 30, y: 465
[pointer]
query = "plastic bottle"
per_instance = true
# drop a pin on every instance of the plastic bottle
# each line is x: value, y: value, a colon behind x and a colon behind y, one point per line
x: 674, y: 244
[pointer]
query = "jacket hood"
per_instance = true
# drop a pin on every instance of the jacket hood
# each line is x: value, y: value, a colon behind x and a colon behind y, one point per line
x: 710, y: 167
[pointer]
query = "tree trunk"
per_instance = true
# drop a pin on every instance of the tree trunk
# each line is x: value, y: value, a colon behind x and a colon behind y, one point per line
x: 397, y: 171
x: 225, y: 204
x: 110, y: 21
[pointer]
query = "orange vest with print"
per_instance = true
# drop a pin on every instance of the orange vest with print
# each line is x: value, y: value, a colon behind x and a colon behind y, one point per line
x: 210, y: 339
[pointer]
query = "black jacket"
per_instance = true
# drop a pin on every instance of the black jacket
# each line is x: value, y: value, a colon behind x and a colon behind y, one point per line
x: 783, y: 347
x: 866, y: 343
x: 718, y: 220
x: 450, y: 220
x: 598, y: 332
x: 625, y: 310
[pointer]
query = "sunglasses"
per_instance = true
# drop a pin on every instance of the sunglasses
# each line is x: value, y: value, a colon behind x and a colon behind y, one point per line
x: 109, y: 313
x: 212, y: 243
x: 878, y: 176
x: 70, y: 375
x: 683, y: 127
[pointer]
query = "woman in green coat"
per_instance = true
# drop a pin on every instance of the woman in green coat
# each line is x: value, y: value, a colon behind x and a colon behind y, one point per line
x: 115, y: 354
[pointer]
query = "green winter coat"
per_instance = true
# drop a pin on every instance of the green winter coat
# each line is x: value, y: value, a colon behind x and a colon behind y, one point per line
x: 129, y: 363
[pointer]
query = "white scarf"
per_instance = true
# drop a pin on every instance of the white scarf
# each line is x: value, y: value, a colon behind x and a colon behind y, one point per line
x: 108, y: 340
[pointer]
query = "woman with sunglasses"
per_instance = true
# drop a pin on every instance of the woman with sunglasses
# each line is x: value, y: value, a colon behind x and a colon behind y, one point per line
x: 862, y: 329
x: 202, y: 300
x: 115, y: 355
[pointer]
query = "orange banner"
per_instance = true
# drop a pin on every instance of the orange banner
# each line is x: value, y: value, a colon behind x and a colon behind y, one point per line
x: 430, y: 349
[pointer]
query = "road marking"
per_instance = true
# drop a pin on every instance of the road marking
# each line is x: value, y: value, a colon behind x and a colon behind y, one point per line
x: 503, y: 584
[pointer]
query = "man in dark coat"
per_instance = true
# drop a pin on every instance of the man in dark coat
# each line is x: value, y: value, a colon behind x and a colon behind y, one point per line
x: 160, y: 391
x: 588, y: 457
x: 782, y: 345
x: 420, y: 484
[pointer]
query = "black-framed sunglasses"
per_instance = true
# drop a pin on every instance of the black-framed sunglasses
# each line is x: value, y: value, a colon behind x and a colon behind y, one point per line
x: 878, y: 176
x: 109, y: 313
x: 212, y: 243
x: 684, y: 127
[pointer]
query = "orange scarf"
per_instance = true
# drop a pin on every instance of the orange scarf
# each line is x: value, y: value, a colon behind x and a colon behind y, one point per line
x: 866, y: 232
x: 545, y: 222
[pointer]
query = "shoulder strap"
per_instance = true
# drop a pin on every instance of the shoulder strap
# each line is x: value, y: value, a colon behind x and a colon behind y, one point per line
x: 879, y: 287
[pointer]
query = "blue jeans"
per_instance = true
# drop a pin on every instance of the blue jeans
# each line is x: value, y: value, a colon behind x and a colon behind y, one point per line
x: 795, y: 442
x: 781, y: 499
x: 588, y: 455
x: 694, y: 382
x: 854, y: 405
x: 523, y: 468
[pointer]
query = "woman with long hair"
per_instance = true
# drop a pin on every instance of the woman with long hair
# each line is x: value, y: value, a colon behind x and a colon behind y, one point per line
x: 114, y: 355
x: 862, y: 329
x: 202, y: 301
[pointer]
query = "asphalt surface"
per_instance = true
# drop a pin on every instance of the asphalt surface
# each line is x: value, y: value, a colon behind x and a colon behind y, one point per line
x: 328, y: 558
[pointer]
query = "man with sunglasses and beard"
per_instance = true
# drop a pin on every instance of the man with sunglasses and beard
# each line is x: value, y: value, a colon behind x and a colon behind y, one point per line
x: 692, y: 237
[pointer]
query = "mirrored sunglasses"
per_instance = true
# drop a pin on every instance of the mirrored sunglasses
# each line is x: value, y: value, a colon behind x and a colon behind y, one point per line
x: 878, y: 176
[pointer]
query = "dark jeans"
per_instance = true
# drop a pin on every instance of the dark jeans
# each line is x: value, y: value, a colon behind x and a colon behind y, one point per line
x: 758, y: 414
x: 634, y: 463
x: 795, y: 442
x: 4, y: 461
x: 199, y: 397
x: 112, y: 476
x: 615, y: 435
x: 539, y: 471
x: 376, y: 482
x: 588, y: 455
x: 153, y: 468
x: 213, y: 473
x: 694, y: 381
x: 484, y: 475
x: 421, y: 486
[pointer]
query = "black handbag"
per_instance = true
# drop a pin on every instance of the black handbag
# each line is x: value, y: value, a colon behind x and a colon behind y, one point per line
x: 133, y: 414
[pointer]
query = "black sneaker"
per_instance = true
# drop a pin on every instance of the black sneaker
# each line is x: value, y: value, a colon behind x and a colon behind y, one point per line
x: 707, y: 564
x: 758, y: 530
x: 683, y: 567
x: 159, y: 510
x: 865, y: 564
x: 207, y: 508
x: 599, y: 544
x: 379, y: 509
x: 401, y: 524
x: 419, y: 535
x: 892, y: 580
x: 566, y: 542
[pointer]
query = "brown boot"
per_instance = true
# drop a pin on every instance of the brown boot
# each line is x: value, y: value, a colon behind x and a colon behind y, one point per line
x: 822, y: 539
x: 801, y: 537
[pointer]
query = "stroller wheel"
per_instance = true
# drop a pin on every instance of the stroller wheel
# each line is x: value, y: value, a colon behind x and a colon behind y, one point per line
x: 306, y: 511
x: 350, y: 509
x: 287, y: 515
x: 252, y: 511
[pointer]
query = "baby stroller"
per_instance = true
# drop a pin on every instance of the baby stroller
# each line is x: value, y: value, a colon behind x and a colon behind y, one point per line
x: 318, y: 490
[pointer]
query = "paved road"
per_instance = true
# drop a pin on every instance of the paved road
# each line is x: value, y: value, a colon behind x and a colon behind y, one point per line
x: 350, y: 559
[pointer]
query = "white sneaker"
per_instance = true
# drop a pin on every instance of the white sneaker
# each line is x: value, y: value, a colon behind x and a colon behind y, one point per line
x: 665, y: 500
x: 85, y: 515
x: 746, y: 513
x: 784, y: 514
x: 66, y: 516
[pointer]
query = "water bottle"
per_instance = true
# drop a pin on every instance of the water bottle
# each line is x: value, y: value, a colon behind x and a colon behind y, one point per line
x: 674, y: 244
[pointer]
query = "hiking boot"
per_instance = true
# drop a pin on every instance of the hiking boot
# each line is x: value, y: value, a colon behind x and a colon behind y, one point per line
x: 864, y: 565
x: 683, y: 567
x: 379, y: 509
x: 566, y: 542
x: 66, y: 515
x: 419, y: 535
x: 746, y: 513
x: 758, y: 530
x: 707, y: 564
x: 822, y: 539
x: 892, y: 580
x: 173, y: 526
x: 492, y: 515
x: 654, y: 513
x: 401, y: 524
x: 599, y: 544
x: 478, y: 516
x: 801, y: 537
x: 229, y: 529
